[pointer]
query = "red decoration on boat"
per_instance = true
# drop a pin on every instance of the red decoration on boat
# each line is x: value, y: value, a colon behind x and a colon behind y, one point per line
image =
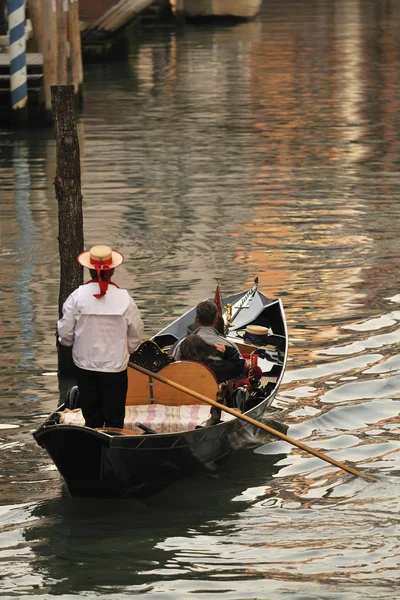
x: 218, y: 300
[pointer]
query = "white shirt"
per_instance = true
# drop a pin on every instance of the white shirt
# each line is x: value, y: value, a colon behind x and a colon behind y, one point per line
x: 103, y: 332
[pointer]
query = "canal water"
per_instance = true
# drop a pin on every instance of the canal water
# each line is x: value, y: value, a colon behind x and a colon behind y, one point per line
x: 267, y: 148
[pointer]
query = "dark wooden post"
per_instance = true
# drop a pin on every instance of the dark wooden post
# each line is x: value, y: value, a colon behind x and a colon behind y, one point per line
x: 68, y: 192
x: 3, y: 18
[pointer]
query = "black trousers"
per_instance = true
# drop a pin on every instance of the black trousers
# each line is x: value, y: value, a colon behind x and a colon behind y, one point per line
x: 102, y: 397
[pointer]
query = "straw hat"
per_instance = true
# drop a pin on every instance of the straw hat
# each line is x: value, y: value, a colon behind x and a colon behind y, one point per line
x: 257, y: 330
x: 100, y: 256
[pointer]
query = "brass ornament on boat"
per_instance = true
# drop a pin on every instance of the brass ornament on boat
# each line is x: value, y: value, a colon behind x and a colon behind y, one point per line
x: 228, y: 315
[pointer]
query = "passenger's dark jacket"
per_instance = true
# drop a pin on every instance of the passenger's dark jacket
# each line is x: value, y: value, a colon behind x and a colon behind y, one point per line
x: 229, y: 365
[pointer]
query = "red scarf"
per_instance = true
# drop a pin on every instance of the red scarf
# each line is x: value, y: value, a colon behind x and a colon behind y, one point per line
x: 103, y: 285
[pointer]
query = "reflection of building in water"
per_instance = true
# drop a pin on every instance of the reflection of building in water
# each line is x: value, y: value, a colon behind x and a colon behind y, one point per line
x: 304, y: 201
x: 10, y: 326
x: 379, y: 135
x: 29, y: 229
x: 190, y: 95
x: 18, y: 233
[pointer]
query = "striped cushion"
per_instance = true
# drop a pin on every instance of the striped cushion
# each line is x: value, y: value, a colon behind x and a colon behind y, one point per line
x: 161, y: 418
x: 167, y: 419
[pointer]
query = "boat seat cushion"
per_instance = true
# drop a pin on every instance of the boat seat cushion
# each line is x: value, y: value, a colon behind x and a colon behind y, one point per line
x: 167, y: 419
x: 160, y: 418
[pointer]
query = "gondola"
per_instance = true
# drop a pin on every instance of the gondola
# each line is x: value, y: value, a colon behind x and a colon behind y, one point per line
x: 169, y: 433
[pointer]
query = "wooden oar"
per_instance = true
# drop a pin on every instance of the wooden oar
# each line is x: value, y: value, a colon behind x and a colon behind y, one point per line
x: 244, y: 417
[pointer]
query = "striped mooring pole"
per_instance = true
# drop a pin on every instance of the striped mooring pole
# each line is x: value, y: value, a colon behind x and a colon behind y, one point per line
x: 16, y: 26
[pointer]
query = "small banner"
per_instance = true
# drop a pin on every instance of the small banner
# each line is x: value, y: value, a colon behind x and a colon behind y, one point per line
x: 218, y: 300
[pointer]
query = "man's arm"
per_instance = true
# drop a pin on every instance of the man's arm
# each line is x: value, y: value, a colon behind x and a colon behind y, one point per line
x: 135, y: 327
x: 227, y: 369
x: 234, y: 362
x: 232, y: 352
x: 66, y: 325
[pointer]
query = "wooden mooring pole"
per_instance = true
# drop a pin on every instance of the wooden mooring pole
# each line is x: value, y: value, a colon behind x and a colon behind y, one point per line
x: 70, y: 216
x: 56, y: 28
x: 62, y: 20
x: 35, y: 14
x: 49, y: 47
x: 75, y: 46
x: 3, y: 18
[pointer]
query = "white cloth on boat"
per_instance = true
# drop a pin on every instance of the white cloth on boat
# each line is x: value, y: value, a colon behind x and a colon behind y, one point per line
x: 72, y: 417
x: 167, y: 419
x: 104, y: 331
x: 159, y: 417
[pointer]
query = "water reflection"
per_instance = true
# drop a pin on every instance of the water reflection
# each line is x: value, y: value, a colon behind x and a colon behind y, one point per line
x: 106, y: 548
x: 70, y: 544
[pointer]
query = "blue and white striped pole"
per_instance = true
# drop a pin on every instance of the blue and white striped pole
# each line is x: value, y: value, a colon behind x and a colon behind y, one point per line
x: 16, y: 26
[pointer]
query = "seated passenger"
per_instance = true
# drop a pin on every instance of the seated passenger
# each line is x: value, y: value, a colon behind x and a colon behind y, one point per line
x: 220, y: 325
x: 206, y: 322
x: 223, y: 360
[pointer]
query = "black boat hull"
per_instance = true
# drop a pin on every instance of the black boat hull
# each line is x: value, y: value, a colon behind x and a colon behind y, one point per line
x: 96, y: 464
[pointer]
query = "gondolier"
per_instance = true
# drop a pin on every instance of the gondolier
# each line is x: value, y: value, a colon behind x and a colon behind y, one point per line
x: 103, y: 325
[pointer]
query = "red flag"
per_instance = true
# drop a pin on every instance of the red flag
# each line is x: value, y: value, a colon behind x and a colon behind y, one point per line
x: 218, y: 300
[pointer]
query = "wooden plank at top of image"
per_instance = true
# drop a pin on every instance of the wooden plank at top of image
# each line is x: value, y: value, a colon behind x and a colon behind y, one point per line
x: 109, y: 15
x: 32, y: 59
x: 90, y: 10
x: 34, y: 67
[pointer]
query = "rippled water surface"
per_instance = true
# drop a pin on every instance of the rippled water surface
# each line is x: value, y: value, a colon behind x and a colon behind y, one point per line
x: 266, y: 148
